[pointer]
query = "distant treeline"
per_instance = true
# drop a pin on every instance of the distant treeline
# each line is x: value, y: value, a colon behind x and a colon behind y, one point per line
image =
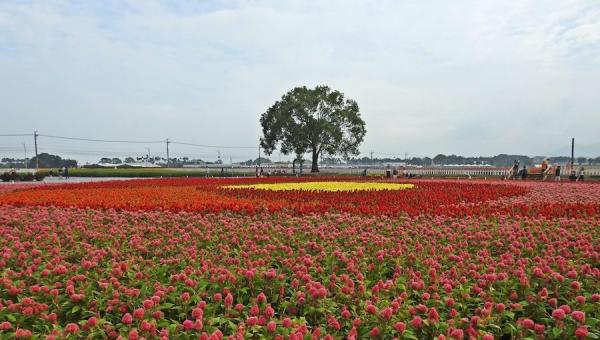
x: 45, y: 161
x: 498, y: 160
x: 54, y: 161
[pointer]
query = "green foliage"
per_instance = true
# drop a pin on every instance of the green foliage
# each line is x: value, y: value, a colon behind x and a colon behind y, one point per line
x: 154, y: 172
x: 47, y: 160
x: 22, y: 176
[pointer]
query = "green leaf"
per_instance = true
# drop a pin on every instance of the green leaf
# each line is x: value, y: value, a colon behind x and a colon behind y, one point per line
x: 556, y: 331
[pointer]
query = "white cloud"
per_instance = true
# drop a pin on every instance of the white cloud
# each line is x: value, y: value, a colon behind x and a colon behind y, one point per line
x: 465, y: 77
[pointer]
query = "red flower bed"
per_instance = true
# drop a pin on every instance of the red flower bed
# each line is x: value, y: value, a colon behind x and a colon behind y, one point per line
x: 208, y: 195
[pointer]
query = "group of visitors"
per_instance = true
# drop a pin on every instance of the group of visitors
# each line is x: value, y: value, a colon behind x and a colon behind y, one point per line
x: 545, y: 171
x: 516, y: 173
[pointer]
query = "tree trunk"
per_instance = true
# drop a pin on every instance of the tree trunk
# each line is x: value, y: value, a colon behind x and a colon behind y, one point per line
x: 315, y: 161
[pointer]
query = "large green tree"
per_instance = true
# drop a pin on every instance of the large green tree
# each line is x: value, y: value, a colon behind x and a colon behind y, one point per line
x: 313, y: 121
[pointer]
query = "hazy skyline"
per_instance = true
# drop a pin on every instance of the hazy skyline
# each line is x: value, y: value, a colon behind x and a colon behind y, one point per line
x: 430, y: 77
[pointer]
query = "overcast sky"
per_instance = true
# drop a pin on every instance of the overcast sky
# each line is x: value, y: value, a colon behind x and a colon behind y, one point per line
x: 462, y: 77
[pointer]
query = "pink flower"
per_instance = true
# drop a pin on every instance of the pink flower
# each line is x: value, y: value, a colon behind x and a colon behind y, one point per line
x: 558, y: 314
x: 228, y: 300
x: 287, y: 322
x: 433, y: 315
x: 539, y: 328
x: 4, y: 326
x: 188, y: 324
x: 271, y: 326
x: 127, y: 319
x: 91, y: 322
x: 400, y: 327
x: 251, y: 321
x: 139, y: 313
x: 457, y: 333
x: 133, y: 334
x: 148, y: 304
x: 23, y: 333
x: 197, y: 313
x: 269, y: 311
x: 528, y: 323
x: 386, y: 313
x: 374, y: 332
x: 581, y: 332
x: 578, y: 316
x: 416, y: 322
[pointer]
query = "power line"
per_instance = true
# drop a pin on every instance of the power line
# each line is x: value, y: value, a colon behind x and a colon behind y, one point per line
x: 102, y: 140
x: 16, y: 135
x: 143, y: 142
x: 212, y: 146
x: 386, y: 154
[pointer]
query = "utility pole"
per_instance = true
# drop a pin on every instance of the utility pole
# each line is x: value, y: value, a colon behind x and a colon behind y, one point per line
x: 572, y: 152
x: 371, y: 157
x: 37, y: 159
x: 25, y: 153
x: 259, y: 155
x: 168, y: 141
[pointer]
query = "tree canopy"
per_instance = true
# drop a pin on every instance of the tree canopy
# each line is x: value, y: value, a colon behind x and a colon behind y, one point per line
x: 316, y: 121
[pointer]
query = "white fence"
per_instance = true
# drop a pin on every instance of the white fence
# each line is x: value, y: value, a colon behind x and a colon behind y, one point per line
x: 589, y: 170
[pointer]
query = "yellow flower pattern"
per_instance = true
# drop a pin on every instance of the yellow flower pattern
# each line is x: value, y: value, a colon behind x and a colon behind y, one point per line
x: 324, y: 186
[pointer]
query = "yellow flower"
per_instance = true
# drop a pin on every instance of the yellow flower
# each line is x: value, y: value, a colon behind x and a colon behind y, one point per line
x: 324, y: 186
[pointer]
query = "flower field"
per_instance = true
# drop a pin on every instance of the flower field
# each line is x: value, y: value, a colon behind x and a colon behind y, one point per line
x: 195, y: 258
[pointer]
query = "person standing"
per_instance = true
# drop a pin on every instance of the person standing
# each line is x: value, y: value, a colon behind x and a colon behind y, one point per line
x: 580, y: 175
x: 515, y: 170
x: 66, y: 172
x: 557, y: 174
x: 544, y: 168
x: 524, y: 173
